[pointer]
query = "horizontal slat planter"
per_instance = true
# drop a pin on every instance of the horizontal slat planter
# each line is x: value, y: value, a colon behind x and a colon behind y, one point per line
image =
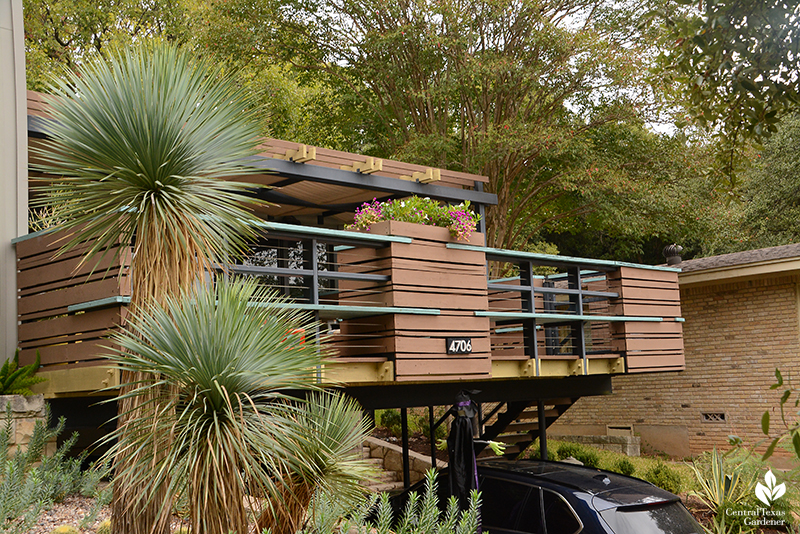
x: 49, y: 283
x: 424, y: 274
x: 651, y: 346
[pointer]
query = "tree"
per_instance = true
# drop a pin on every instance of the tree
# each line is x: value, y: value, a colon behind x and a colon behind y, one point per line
x: 141, y: 153
x: 62, y: 34
x: 771, y: 190
x: 228, y: 355
x: 505, y: 89
x: 656, y: 194
x: 736, y: 64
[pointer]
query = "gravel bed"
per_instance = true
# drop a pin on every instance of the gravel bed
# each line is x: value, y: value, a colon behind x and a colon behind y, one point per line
x: 71, y: 511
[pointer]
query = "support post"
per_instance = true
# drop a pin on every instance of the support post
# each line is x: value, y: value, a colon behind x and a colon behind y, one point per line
x: 406, y: 459
x: 542, y: 429
x: 432, y: 427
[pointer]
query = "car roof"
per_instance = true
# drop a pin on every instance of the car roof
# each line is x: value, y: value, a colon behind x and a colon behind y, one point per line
x: 608, y: 489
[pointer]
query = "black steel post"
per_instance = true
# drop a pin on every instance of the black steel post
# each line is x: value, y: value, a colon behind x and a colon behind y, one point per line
x: 406, y: 459
x: 542, y: 429
x: 432, y: 427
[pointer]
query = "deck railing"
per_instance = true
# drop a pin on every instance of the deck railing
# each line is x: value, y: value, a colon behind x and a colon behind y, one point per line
x: 395, y: 299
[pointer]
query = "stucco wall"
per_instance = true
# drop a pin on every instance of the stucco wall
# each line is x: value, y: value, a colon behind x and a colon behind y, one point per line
x: 13, y: 164
x: 735, y: 335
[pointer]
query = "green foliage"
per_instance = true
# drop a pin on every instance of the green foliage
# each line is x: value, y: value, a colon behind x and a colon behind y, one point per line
x: 65, y: 529
x: 227, y: 357
x: 721, y: 481
x: 733, y: 62
x: 31, y: 481
x: 664, y: 477
x: 424, y: 425
x: 104, y: 527
x: 472, y: 86
x: 64, y: 34
x: 729, y: 524
x: 790, y: 426
x: 770, y: 191
x: 157, y: 168
x: 421, y: 516
x: 624, y: 466
x: 391, y: 420
x: 16, y: 380
x: 586, y: 455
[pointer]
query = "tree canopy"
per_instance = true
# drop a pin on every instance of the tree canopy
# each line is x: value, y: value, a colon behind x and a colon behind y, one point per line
x: 736, y: 65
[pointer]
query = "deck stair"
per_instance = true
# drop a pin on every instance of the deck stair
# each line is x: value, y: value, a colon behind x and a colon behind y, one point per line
x: 517, y: 423
x: 385, y: 480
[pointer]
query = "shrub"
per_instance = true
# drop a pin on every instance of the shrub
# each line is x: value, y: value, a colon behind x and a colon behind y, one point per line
x: 16, y: 380
x: 29, y: 481
x: 624, y: 467
x: 65, y: 529
x: 586, y: 455
x: 421, y: 514
x: 104, y: 527
x: 390, y: 419
x: 424, y: 425
x: 664, y: 477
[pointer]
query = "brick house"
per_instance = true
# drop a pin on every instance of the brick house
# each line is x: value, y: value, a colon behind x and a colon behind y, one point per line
x: 742, y: 321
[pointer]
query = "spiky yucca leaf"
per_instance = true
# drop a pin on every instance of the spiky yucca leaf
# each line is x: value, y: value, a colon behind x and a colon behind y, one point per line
x: 331, y: 449
x: 145, y: 144
x: 227, y: 356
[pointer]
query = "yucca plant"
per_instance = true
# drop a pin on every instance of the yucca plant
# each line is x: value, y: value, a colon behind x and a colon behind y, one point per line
x: 719, y: 482
x: 225, y: 358
x: 334, y: 431
x: 141, y: 153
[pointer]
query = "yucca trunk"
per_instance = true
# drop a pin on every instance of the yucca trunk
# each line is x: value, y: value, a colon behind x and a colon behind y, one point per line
x: 156, y: 272
x: 287, y: 514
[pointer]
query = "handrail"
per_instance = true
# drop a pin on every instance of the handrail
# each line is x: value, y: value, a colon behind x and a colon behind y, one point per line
x: 330, y: 233
x: 555, y: 260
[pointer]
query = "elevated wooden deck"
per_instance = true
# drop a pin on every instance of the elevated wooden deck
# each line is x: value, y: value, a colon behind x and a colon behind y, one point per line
x: 402, y: 304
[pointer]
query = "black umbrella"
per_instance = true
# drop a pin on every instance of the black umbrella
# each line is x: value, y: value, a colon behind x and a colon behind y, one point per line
x: 461, y: 450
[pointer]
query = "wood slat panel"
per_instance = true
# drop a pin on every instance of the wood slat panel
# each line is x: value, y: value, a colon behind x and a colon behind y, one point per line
x: 70, y: 324
x: 58, y: 300
x: 72, y: 352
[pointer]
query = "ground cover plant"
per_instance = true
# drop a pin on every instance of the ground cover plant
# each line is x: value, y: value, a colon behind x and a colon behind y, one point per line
x: 31, y: 481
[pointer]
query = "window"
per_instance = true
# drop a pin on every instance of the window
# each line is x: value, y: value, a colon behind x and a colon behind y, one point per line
x: 558, y: 515
x: 510, y: 507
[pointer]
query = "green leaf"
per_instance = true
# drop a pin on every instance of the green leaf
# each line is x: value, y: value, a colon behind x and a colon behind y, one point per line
x: 785, y: 396
x: 770, y: 449
x: 779, y: 377
x: 765, y: 423
x: 750, y: 86
x: 796, y: 443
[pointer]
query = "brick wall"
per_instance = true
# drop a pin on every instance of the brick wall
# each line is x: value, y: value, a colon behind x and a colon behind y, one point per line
x: 735, y: 335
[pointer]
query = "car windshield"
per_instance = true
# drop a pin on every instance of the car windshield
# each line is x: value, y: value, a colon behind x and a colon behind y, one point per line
x: 668, y: 518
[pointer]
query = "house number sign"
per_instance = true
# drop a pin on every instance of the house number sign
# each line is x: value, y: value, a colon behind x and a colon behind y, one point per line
x: 459, y: 345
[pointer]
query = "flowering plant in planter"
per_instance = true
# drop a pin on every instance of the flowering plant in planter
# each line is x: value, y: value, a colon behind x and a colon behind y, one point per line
x: 460, y: 219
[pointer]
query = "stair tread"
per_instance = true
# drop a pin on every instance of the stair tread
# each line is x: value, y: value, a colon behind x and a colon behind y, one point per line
x: 388, y: 486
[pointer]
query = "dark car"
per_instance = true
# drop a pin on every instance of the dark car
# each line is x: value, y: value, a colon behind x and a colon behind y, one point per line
x: 537, y: 497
